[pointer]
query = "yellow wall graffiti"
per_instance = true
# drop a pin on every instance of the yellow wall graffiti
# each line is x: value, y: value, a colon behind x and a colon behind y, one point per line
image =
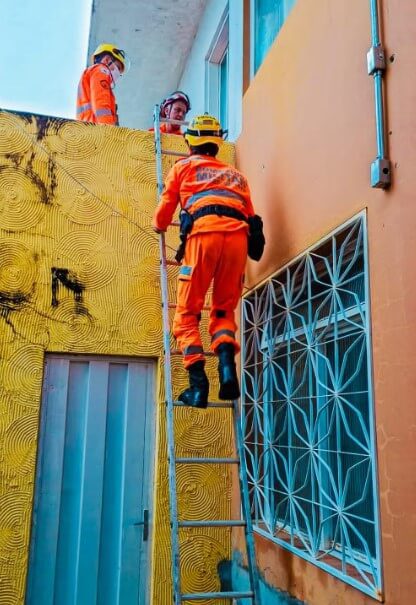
x: 79, y: 198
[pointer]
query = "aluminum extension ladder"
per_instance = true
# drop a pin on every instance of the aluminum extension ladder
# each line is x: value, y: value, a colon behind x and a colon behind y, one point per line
x: 254, y: 593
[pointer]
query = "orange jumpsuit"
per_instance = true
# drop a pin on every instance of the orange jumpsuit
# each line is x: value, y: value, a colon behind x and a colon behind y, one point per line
x: 163, y: 128
x: 216, y: 249
x: 96, y: 102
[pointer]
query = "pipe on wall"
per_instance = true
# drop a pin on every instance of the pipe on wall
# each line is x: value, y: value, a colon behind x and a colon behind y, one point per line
x: 376, y: 65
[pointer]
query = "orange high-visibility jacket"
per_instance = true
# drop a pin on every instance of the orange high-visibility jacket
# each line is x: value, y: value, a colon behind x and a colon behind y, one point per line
x: 96, y: 102
x: 163, y: 128
x: 199, y: 181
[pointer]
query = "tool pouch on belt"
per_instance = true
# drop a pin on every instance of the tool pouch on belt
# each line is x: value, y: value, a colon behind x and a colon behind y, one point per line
x: 256, y: 240
x: 186, y: 221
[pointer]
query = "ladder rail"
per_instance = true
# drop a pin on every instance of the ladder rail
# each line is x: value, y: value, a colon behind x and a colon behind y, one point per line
x: 173, y: 504
x: 245, y: 505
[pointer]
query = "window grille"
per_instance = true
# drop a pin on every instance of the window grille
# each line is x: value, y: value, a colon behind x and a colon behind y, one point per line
x: 308, y: 409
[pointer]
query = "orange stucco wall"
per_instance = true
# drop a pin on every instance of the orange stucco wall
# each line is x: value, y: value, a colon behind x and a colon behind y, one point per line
x: 307, y: 144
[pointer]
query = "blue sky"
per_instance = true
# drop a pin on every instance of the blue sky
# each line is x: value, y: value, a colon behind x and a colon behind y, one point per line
x: 44, y: 51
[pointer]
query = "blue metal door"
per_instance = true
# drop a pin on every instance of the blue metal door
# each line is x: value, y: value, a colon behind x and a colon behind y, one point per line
x: 89, y: 542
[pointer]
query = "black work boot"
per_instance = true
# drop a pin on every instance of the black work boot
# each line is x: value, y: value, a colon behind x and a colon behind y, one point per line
x: 197, y: 393
x: 229, y: 388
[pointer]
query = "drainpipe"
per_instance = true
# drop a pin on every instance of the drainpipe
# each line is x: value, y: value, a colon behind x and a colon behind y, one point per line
x: 376, y: 64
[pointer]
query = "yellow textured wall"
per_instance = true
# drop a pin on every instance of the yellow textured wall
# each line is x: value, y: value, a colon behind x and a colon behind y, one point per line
x: 80, y: 197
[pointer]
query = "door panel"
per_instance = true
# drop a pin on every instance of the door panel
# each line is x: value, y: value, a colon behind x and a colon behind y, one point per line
x: 92, y: 484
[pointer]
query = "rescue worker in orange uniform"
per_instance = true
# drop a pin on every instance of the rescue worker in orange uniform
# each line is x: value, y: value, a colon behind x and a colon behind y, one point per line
x: 216, y: 198
x: 174, y: 107
x: 96, y: 101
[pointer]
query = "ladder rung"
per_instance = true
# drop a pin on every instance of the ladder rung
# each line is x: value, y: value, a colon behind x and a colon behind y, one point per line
x: 225, y: 523
x: 172, y: 262
x: 207, y: 460
x: 228, y: 406
x: 172, y: 121
x: 200, y: 596
x: 176, y: 153
x: 178, y: 352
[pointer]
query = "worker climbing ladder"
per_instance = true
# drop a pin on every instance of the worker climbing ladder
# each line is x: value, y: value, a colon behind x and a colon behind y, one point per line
x: 176, y: 525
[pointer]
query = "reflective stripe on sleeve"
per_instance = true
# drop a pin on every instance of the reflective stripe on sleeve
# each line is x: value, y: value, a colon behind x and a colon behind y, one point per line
x: 103, y: 112
x: 83, y: 108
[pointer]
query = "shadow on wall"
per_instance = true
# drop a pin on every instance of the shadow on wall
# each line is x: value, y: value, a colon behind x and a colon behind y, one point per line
x: 234, y: 576
x: 279, y: 247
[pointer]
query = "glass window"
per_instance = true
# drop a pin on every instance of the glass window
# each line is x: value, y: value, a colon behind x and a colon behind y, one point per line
x: 223, y: 93
x: 308, y: 412
x: 217, y: 74
x: 268, y: 18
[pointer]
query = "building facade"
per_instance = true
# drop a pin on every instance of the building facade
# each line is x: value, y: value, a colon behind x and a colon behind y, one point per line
x: 84, y: 514
x: 338, y: 410
x: 326, y: 361
x: 326, y: 323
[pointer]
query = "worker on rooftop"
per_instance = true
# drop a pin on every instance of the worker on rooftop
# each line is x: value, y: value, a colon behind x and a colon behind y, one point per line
x: 96, y: 101
x: 215, y: 217
x: 174, y: 107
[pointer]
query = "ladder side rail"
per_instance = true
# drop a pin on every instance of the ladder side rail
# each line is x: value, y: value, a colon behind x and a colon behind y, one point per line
x: 245, y: 505
x: 173, y: 505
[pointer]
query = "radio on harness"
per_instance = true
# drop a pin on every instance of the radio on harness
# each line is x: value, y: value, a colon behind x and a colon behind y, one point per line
x: 256, y: 239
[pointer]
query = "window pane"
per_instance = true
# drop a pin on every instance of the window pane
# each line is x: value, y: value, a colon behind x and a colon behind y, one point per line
x: 269, y: 16
x: 224, y: 90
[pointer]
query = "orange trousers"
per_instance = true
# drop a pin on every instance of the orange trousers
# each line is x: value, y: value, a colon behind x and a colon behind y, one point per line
x: 218, y: 257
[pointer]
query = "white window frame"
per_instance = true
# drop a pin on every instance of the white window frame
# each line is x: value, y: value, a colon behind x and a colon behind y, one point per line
x: 213, y: 60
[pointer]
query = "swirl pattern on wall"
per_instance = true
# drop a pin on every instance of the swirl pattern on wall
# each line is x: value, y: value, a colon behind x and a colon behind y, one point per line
x: 23, y: 371
x: 76, y: 140
x: 142, y: 186
x: 140, y: 322
x: 148, y: 271
x: 20, y: 443
x: 8, y: 593
x: 201, y: 489
x: 143, y: 244
x: 140, y: 145
x: 200, y: 573
x: 198, y: 430
x: 13, y: 138
x: 82, y: 201
x: 89, y: 255
x: 73, y: 328
x: 21, y: 204
x: 13, y: 513
x: 18, y: 270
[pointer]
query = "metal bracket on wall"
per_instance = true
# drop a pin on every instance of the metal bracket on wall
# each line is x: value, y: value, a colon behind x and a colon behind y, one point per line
x: 381, y: 173
x: 376, y: 59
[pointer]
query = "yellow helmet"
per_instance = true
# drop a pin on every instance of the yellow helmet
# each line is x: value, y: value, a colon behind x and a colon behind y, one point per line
x: 115, y: 52
x: 204, y: 129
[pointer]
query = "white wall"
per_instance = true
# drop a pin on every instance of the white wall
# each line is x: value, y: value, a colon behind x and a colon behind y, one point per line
x: 193, y: 77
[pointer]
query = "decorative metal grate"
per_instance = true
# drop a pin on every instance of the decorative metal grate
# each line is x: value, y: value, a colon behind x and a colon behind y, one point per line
x: 308, y: 409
